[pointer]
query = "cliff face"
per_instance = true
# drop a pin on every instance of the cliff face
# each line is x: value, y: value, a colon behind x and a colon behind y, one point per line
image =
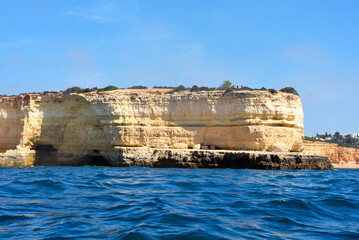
x: 337, y: 154
x: 11, y: 124
x: 62, y: 125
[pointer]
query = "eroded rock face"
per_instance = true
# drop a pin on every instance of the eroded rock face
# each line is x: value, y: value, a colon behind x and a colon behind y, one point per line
x: 150, y: 157
x: 190, y: 158
x: 337, y: 154
x: 11, y: 123
x: 93, y: 122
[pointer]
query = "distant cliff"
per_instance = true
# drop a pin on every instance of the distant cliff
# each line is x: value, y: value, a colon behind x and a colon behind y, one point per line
x: 65, y: 126
x: 338, y: 155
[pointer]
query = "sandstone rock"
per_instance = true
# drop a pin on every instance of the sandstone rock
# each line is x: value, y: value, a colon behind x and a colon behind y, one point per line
x: 21, y: 157
x: 190, y: 158
x: 336, y: 154
x: 278, y: 147
x: 66, y: 124
x: 180, y: 146
x: 197, y: 146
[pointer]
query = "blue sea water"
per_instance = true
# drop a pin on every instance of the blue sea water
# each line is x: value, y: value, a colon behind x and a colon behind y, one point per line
x: 144, y: 203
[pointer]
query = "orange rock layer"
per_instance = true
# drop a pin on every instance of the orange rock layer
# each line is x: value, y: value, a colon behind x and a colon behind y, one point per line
x: 338, y: 155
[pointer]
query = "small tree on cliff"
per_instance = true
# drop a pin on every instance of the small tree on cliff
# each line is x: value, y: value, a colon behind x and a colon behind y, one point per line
x: 195, y: 88
x: 73, y: 90
x: 108, y: 88
x: 179, y: 88
x: 289, y: 90
x: 226, y: 85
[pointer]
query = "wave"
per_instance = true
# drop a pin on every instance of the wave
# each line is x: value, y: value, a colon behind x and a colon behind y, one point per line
x: 142, y: 203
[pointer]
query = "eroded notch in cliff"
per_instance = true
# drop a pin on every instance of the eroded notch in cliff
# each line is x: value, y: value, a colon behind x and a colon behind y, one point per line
x: 45, y: 155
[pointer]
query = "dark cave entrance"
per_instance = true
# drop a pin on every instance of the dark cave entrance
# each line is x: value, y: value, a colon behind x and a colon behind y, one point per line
x: 96, y: 160
x: 45, y: 155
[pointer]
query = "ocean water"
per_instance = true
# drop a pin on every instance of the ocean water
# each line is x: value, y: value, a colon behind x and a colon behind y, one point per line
x: 144, y: 203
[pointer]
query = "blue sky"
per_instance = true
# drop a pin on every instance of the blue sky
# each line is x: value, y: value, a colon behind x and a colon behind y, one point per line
x: 312, y: 46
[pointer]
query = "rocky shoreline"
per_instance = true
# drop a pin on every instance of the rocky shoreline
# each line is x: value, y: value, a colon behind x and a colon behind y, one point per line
x: 171, y: 158
x: 149, y: 157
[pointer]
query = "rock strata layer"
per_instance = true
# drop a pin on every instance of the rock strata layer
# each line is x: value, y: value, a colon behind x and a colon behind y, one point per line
x: 61, y: 127
x: 337, y: 155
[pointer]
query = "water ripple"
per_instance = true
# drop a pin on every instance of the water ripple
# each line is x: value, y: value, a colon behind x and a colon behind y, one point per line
x: 142, y: 203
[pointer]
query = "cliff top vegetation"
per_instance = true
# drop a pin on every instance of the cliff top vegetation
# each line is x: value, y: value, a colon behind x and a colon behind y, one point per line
x: 342, y: 140
x: 227, y: 86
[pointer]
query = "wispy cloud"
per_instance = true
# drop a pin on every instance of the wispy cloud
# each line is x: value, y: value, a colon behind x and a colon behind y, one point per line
x: 119, y: 11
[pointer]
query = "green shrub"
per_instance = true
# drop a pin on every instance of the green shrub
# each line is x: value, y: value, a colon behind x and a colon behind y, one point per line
x: 246, y: 88
x: 78, y: 90
x: 108, y: 88
x: 162, y: 87
x: 312, y: 139
x: 289, y: 90
x: 194, y: 88
x: 272, y: 91
x: 206, y: 89
x: 228, y: 90
x: 138, y: 87
x: 179, y: 88
x: 72, y: 90
x: 86, y: 90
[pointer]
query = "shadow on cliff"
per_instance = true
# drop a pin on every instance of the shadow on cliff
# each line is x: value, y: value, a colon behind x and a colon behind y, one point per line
x: 71, y: 134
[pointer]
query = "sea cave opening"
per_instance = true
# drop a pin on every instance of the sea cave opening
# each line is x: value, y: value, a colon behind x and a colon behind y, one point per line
x: 95, y: 160
x: 46, y: 155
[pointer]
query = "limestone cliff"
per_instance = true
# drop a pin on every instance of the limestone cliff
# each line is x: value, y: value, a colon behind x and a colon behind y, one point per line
x: 337, y: 154
x: 65, y: 124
